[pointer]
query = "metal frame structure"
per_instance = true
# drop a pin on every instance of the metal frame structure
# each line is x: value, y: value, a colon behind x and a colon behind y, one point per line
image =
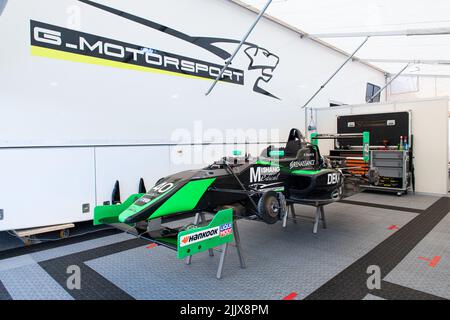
x: 200, y: 217
x: 228, y: 61
x: 388, y: 83
x: 412, y: 61
x: 391, y: 33
x: 350, y: 58
x: 318, y: 216
x: 336, y: 136
x: 394, y: 33
x: 405, y: 159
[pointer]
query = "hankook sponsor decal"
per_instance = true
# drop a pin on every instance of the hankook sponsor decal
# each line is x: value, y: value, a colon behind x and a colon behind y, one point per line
x: 220, y: 231
x: 61, y: 43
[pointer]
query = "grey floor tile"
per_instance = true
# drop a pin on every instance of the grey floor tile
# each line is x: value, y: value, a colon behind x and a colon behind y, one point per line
x: 416, y: 273
x: 416, y: 201
x: 79, y: 247
x: 279, y: 261
x: 31, y: 282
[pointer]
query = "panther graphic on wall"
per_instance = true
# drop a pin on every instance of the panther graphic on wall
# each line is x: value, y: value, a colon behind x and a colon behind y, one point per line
x: 260, y: 58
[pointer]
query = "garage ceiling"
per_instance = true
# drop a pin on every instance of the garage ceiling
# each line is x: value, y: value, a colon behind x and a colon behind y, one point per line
x: 324, y: 17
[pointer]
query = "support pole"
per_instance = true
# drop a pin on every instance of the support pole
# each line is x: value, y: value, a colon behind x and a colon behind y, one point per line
x: 294, y: 217
x: 322, y: 216
x: 388, y: 83
x: 222, y: 260
x: 316, y: 219
x: 228, y: 61
x: 237, y: 240
x: 335, y: 73
x: 426, y: 75
x: 285, y: 217
x: 412, y: 61
x: 188, y: 260
x: 389, y: 33
x: 204, y: 222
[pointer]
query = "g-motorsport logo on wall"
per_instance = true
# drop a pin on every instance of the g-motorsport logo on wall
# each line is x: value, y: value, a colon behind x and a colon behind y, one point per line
x: 94, y: 47
x: 102, y: 50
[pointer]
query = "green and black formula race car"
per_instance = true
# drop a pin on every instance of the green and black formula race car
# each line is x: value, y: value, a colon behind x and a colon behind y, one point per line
x: 257, y: 187
x: 238, y: 187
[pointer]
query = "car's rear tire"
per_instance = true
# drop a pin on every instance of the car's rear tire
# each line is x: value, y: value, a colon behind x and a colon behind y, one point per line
x: 269, y: 207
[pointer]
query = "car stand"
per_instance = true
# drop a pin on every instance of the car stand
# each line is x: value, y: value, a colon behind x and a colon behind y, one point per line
x: 318, y: 217
x: 200, y: 218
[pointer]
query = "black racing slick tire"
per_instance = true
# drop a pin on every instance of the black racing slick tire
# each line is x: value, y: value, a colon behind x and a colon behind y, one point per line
x: 269, y: 207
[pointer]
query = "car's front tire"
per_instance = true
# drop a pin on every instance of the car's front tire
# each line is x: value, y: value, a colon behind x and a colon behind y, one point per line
x: 269, y: 207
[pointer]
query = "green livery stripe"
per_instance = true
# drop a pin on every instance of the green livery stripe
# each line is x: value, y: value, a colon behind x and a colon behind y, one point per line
x: 314, y: 140
x: 134, y: 209
x: 366, y: 146
x: 184, y: 199
x: 307, y: 172
x: 74, y: 57
x: 276, y: 153
x: 110, y: 213
x: 268, y: 163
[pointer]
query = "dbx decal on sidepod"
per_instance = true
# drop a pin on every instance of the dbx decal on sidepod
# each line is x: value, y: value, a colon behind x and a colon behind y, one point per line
x: 333, y: 178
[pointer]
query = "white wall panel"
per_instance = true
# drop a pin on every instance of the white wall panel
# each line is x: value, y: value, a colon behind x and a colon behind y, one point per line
x: 196, y: 157
x: 430, y: 129
x: 58, y: 102
x: 45, y: 186
x: 128, y: 165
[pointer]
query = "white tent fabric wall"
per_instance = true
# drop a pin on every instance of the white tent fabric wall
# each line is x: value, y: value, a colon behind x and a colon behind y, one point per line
x: 363, y: 16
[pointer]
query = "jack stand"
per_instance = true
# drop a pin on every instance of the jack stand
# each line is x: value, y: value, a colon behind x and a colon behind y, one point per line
x: 290, y: 209
x: 237, y: 241
x: 201, y: 217
x: 285, y: 217
x: 222, y: 260
x: 284, y: 209
x: 320, y: 215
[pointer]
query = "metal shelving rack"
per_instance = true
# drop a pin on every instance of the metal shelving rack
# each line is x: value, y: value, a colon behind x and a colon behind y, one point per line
x: 392, y: 165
